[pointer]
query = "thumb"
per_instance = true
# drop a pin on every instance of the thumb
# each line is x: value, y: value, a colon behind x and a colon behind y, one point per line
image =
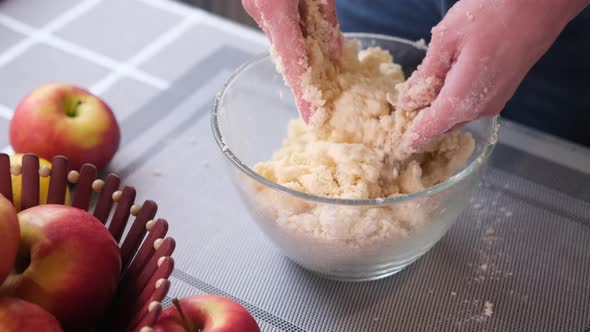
x: 460, y: 100
x: 426, y: 81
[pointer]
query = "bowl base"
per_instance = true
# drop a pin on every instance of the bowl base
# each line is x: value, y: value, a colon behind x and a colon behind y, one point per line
x: 375, y: 273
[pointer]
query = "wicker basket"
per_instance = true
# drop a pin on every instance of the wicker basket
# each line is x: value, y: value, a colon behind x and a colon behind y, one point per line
x: 145, y: 250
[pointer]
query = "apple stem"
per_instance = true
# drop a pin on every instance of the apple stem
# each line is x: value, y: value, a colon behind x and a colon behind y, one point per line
x: 185, y: 321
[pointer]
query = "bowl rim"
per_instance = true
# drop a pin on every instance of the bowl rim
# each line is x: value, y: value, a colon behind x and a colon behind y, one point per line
x: 458, y: 177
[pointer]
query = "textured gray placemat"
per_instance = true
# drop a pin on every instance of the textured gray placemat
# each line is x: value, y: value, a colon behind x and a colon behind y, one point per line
x: 520, y: 248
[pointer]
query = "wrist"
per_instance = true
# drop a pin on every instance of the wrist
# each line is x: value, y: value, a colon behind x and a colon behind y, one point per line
x: 581, y: 5
x: 571, y: 8
x: 557, y: 12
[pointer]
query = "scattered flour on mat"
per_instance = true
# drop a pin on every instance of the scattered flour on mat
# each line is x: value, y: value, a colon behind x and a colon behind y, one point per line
x: 488, y: 309
x: 491, y: 264
x: 479, y: 313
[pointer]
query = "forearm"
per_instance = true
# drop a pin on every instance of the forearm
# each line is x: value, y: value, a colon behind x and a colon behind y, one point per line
x: 571, y: 8
x: 541, y: 15
x: 579, y: 5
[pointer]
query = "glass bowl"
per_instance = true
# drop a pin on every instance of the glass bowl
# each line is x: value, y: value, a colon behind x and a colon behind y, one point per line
x: 249, y: 122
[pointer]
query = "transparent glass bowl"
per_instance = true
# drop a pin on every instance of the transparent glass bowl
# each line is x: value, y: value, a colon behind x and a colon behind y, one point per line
x: 249, y: 122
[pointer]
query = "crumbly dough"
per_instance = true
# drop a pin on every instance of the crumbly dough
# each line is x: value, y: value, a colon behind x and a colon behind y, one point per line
x: 355, y: 148
x: 352, y: 150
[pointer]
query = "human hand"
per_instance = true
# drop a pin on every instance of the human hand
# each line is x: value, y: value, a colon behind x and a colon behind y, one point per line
x: 287, y: 23
x: 479, y: 53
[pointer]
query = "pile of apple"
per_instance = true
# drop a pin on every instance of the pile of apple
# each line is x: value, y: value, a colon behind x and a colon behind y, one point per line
x: 59, y: 266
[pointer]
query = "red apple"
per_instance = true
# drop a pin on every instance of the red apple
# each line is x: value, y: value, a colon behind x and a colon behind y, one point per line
x: 9, y: 237
x: 22, y: 316
x: 206, y: 313
x: 60, y: 119
x: 68, y: 263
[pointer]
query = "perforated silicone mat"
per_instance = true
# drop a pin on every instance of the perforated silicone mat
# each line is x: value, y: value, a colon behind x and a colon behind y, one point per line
x: 517, y: 260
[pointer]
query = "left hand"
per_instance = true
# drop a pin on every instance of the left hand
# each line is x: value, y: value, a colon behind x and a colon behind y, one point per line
x: 283, y: 22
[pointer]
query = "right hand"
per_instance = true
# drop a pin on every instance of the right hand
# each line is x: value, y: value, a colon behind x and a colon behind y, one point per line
x: 478, y: 55
x: 284, y: 23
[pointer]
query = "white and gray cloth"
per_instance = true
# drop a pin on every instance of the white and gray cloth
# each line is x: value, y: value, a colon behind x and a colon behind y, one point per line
x: 517, y: 260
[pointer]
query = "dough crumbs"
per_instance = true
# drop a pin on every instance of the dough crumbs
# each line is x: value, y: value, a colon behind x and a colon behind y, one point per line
x: 488, y: 309
x: 421, y: 92
x: 421, y: 43
x: 354, y: 148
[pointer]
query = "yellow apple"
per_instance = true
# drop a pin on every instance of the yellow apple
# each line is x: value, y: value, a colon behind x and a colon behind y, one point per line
x: 17, y: 159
